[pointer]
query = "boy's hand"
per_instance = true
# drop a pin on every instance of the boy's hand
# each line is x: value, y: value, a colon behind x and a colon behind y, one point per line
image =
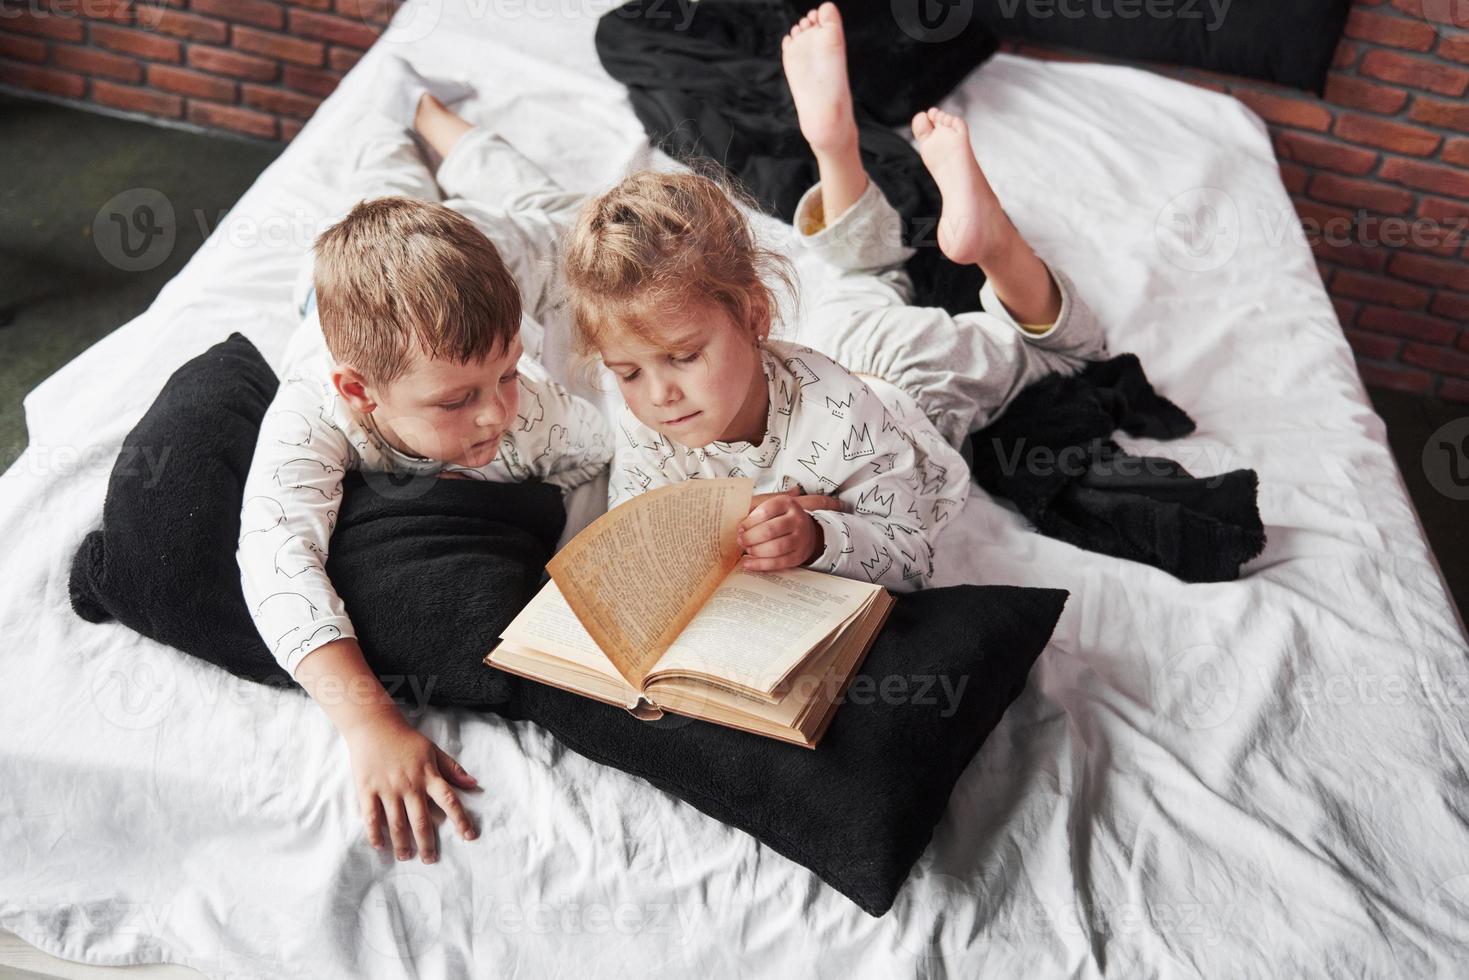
x: 780, y: 532
x: 398, y: 771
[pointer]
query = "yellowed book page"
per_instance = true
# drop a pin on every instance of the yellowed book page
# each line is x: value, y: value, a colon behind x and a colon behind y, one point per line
x: 548, y: 625
x: 636, y: 575
x: 605, y: 685
x: 758, y: 626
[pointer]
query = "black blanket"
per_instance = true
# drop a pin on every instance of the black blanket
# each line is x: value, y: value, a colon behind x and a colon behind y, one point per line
x: 1052, y: 454
x: 705, y: 80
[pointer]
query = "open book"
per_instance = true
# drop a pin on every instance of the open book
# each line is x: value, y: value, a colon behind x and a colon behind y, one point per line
x: 647, y: 609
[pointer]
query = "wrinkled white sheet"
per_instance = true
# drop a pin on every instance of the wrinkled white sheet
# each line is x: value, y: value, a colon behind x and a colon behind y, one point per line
x: 1261, y: 778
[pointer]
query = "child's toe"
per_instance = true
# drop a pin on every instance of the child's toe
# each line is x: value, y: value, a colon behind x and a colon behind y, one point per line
x: 921, y: 126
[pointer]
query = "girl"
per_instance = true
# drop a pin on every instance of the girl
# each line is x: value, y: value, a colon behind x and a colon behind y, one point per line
x: 669, y: 288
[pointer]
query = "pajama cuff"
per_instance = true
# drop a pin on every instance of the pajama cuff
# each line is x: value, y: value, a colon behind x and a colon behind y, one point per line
x: 811, y: 218
x: 482, y: 164
x: 813, y: 224
x: 321, y: 632
x: 830, y: 522
x: 990, y: 300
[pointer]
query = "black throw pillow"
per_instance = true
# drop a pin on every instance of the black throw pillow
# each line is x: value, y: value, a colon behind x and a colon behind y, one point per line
x: 430, y: 573
x: 859, y: 809
x: 1290, y: 42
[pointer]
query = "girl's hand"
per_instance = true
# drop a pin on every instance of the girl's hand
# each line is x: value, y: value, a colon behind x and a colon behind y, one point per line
x: 780, y: 532
x: 398, y: 772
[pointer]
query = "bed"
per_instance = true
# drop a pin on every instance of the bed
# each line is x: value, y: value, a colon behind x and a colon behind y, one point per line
x: 1256, y: 778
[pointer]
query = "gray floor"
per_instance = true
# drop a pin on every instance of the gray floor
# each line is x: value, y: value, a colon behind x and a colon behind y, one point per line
x: 59, y: 294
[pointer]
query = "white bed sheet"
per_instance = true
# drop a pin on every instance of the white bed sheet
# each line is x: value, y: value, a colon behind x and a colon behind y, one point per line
x: 1259, y: 778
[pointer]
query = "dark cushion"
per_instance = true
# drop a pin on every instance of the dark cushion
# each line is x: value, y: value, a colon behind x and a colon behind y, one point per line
x: 1286, y: 41
x: 860, y: 808
x: 163, y: 562
x: 432, y: 575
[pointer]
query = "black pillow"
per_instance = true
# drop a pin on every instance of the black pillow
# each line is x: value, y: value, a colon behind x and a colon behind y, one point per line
x: 1291, y: 43
x: 163, y: 562
x: 433, y: 573
x: 858, y: 809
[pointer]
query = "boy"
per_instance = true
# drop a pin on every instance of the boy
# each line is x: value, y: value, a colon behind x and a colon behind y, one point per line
x: 414, y: 359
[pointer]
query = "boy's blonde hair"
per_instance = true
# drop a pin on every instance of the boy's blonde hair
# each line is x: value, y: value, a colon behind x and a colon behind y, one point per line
x: 398, y: 275
x: 658, y: 243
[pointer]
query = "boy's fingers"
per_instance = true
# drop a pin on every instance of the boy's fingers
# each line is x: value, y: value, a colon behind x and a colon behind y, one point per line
x: 423, y: 825
x: 372, y: 819
x: 454, y: 772
x: 398, y: 828
x: 443, y: 794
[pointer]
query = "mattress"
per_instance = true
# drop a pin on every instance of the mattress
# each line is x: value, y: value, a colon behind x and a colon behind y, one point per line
x: 1256, y: 778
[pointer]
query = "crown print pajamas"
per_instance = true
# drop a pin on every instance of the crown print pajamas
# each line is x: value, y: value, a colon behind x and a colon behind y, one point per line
x: 875, y: 409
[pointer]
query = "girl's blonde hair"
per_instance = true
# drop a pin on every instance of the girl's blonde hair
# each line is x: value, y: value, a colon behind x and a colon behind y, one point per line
x: 658, y: 243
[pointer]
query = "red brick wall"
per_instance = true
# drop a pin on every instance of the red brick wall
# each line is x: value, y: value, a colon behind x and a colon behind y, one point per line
x: 256, y: 67
x: 1378, y: 170
x: 1379, y: 173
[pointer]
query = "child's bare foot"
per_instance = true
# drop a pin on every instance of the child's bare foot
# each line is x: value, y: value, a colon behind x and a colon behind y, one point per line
x: 404, y: 90
x: 439, y: 126
x: 815, y: 57
x: 973, y: 224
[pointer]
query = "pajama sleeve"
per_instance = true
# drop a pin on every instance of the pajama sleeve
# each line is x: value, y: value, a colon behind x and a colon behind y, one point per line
x: 902, y: 489
x: 291, y: 497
